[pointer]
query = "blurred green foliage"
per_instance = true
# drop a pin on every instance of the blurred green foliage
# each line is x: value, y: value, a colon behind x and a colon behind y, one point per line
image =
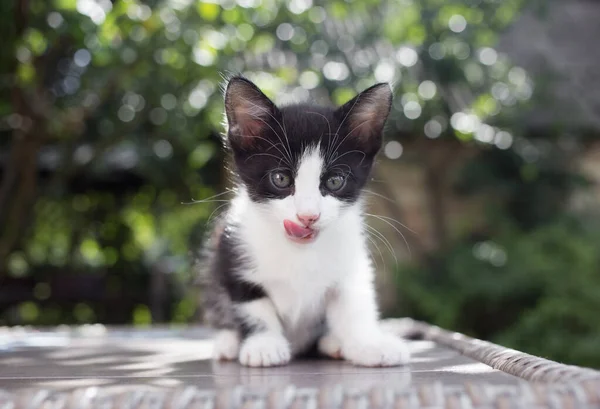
x: 110, y: 117
x: 535, y: 291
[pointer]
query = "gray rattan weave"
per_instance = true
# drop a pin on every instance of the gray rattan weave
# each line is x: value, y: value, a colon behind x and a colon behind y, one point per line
x: 528, y: 367
x: 435, y: 395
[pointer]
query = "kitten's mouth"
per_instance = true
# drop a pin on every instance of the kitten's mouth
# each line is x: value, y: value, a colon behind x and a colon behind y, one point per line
x: 298, y: 233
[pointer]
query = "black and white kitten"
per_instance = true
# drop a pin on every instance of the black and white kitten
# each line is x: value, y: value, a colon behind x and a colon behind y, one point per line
x: 288, y: 267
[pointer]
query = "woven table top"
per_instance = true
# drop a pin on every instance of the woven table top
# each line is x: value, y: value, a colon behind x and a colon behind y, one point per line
x: 116, y: 366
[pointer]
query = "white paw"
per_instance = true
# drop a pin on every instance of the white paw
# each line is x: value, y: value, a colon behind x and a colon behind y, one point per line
x: 383, y: 349
x: 265, y: 349
x: 227, y: 345
x: 331, y: 346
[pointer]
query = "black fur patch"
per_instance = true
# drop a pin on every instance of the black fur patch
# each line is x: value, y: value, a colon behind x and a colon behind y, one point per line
x: 221, y: 286
x: 264, y: 138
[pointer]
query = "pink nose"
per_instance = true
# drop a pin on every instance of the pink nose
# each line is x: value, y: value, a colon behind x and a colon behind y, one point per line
x: 308, y: 219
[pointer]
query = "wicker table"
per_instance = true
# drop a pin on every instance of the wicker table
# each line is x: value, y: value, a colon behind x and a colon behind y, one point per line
x: 95, y: 367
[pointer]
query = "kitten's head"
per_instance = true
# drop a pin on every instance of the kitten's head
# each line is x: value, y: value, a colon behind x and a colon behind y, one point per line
x: 304, y: 165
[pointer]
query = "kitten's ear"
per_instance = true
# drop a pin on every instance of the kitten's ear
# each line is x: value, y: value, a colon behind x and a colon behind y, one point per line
x: 364, y: 116
x: 248, y: 111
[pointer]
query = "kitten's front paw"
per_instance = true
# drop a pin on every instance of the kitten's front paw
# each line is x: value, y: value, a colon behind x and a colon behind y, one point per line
x: 265, y: 349
x: 383, y: 349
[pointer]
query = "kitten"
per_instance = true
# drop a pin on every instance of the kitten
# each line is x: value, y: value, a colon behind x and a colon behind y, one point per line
x: 287, y: 268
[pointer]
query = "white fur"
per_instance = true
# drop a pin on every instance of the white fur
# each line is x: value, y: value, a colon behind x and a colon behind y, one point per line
x: 227, y: 345
x: 331, y: 346
x: 331, y: 277
x: 265, y: 349
x: 307, y: 197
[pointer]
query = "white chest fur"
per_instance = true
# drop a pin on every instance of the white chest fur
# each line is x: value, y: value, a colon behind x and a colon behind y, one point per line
x: 297, y: 277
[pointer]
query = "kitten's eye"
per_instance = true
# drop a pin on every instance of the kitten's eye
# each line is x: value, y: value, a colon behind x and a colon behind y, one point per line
x: 280, y: 180
x: 335, y: 183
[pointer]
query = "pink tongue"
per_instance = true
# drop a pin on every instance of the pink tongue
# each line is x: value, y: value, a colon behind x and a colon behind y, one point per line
x: 295, y: 230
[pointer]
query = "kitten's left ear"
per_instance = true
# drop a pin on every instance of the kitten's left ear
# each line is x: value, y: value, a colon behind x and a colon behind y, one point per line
x: 364, y: 116
x: 248, y: 111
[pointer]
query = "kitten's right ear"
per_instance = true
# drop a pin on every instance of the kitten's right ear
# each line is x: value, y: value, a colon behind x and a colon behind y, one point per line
x: 248, y: 111
x: 366, y: 114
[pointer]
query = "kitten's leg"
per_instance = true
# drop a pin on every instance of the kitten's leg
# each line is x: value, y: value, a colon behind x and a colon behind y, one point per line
x: 227, y: 345
x: 265, y: 345
x: 352, y: 318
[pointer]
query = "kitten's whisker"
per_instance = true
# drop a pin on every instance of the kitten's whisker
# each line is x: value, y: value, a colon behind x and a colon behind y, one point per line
x: 341, y: 124
x: 368, y: 236
x: 264, y: 154
x: 397, y: 230
x: 384, y: 240
x: 209, y: 199
x: 392, y: 220
x: 379, y: 195
x: 285, y: 133
x: 349, y: 152
x: 278, y: 123
x: 205, y: 201
x: 347, y: 167
x: 288, y: 153
x: 273, y: 145
x: 339, y: 145
x: 324, y: 117
x: 342, y: 165
x: 214, y: 211
x: 261, y: 109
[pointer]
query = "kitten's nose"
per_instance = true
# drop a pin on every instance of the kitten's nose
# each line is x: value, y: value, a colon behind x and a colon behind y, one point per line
x: 308, y: 219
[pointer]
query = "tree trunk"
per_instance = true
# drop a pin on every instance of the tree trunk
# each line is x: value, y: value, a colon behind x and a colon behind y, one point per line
x: 434, y: 182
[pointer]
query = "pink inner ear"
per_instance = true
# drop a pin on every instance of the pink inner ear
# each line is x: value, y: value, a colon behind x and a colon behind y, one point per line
x: 370, y: 112
x: 249, y: 124
x: 364, y: 121
x: 250, y: 119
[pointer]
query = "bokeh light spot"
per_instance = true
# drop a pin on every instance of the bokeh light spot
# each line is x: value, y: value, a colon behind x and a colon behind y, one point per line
x: 285, y: 32
x: 488, y: 56
x: 427, y: 89
x: 82, y: 58
x: 309, y: 80
x: 457, y: 23
x: 437, y: 51
x: 433, y: 129
x: 168, y: 101
x: 461, y: 50
x: 336, y: 71
x: 412, y: 110
x: 163, y: 149
x: 317, y: 14
x: 384, y: 72
x: 54, y: 19
x: 485, y: 133
x: 126, y: 113
x: 299, y: 6
x: 393, y: 149
x: 407, y: 56
x: 503, y: 140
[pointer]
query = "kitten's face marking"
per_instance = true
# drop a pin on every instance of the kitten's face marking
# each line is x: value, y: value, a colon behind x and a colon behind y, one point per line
x: 304, y: 165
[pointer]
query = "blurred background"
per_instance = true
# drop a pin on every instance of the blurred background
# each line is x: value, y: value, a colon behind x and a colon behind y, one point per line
x: 484, y: 200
